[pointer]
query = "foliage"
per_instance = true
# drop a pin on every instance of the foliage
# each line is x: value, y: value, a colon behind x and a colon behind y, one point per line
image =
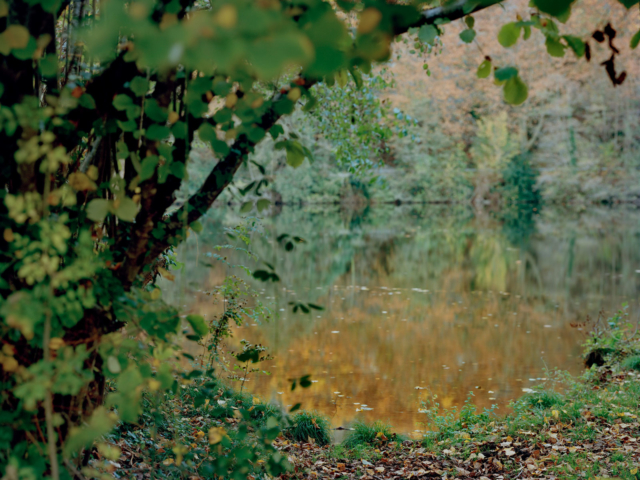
x: 309, y: 427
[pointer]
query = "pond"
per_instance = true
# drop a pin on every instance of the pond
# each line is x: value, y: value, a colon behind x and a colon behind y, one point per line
x: 418, y: 301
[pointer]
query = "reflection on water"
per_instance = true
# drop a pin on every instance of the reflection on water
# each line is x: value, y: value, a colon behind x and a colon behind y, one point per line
x: 421, y: 301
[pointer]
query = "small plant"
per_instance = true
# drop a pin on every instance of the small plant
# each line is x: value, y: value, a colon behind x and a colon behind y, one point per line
x: 446, y: 423
x: 542, y: 399
x: 309, y: 427
x: 250, y: 354
x: 377, y: 433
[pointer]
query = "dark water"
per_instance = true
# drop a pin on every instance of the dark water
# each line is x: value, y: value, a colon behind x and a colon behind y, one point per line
x: 418, y: 301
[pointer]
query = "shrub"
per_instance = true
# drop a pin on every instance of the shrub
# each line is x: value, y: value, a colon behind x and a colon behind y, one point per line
x: 369, y: 433
x: 309, y: 426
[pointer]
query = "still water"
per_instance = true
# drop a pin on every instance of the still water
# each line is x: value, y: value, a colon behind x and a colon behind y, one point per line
x: 418, y: 301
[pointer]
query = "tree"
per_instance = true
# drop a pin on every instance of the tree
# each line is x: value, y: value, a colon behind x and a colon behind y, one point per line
x: 100, y: 103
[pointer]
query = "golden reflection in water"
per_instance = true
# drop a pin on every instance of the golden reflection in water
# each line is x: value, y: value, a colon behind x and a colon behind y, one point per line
x: 375, y: 353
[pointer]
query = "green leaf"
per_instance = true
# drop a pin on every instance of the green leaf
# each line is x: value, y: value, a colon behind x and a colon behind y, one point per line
x: 246, y: 207
x: 555, y: 8
x: 97, y: 209
x: 629, y: 3
x: 635, y: 40
x: 148, y: 167
x: 198, y: 324
x: 295, y: 153
x: 49, y: 66
x: 87, y: 101
x: 470, y: 21
x: 157, y: 132
x: 126, y: 209
x: 262, y: 204
x: 515, y: 91
x: 484, y: 70
x: 509, y: 34
x: 100, y: 424
x: 154, y: 111
x: 178, y: 170
x: 505, y: 73
x: 276, y: 131
x: 428, y: 34
x: 468, y: 35
x: 139, y: 86
x: 196, y: 226
x: 122, y: 101
x: 554, y: 47
x: 576, y: 44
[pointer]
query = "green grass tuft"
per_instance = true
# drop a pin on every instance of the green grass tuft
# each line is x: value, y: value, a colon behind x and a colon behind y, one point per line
x: 368, y: 434
x: 632, y: 363
x: 309, y: 425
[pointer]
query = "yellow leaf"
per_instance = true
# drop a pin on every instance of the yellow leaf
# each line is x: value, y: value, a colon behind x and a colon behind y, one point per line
x: 231, y: 100
x: 294, y: 95
x: 166, y: 274
x: 216, y: 435
x: 92, y: 172
x: 56, y: 343
x: 173, y: 117
x: 633, y: 471
x: 227, y: 16
x: 17, y: 36
x: 369, y: 19
x: 155, y: 294
x: 81, y: 182
x: 154, y: 384
x: 556, y: 414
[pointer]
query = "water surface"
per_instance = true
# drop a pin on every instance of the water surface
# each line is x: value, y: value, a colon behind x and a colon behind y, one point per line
x: 419, y: 301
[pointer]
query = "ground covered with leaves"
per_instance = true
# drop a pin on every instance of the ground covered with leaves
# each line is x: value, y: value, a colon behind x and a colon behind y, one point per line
x: 590, y: 430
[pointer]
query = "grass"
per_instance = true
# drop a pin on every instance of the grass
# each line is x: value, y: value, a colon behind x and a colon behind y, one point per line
x: 374, y: 433
x: 632, y: 363
x: 309, y: 426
